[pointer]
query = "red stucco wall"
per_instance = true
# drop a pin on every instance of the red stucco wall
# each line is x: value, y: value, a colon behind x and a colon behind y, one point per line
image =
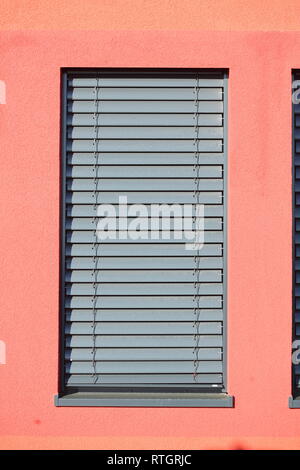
x: 183, y: 15
x: 259, y: 251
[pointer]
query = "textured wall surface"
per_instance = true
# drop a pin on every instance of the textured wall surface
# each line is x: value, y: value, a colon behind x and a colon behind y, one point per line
x: 259, y: 251
x: 225, y: 15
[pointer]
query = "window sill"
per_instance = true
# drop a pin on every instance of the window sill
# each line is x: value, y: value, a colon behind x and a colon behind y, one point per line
x: 294, y: 403
x: 196, y: 400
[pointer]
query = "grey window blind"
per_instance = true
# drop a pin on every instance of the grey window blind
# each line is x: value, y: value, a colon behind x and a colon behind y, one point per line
x: 143, y: 313
x: 296, y: 231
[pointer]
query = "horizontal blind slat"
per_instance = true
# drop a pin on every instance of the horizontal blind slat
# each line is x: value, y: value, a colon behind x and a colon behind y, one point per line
x: 176, y: 223
x: 144, y: 328
x: 149, y: 379
x: 144, y: 354
x: 130, y: 173
x: 125, y: 276
x: 144, y: 263
x: 148, y: 314
x: 144, y: 145
x: 139, y: 367
x: 144, y: 93
x: 144, y: 236
x: 148, y: 194
x: 165, y: 288
x: 146, y: 82
x: 140, y: 249
x: 144, y: 341
x: 141, y: 159
x: 157, y: 301
x: 166, y: 132
x: 89, y: 210
x: 157, y: 107
x: 117, y: 119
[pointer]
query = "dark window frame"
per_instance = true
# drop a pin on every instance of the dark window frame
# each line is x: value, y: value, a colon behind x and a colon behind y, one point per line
x: 182, y: 396
x: 294, y: 400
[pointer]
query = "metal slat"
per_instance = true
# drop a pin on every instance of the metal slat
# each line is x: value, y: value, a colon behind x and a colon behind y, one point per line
x: 296, y: 159
x: 144, y: 354
x: 139, y: 367
x: 144, y: 328
x: 162, y: 263
x: 144, y: 341
x: 297, y: 184
x: 128, y: 93
x: 103, y: 276
x: 132, y: 172
x: 167, y: 120
x: 297, y: 170
x: 140, y: 249
x: 157, y: 301
x: 113, y: 132
x: 144, y: 197
x: 297, y: 264
x: 86, y: 210
x: 150, y: 379
x: 142, y: 159
x: 82, y: 184
x: 176, y: 223
x: 164, y: 236
x: 144, y: 145
x: 297, y: 290
x: 120, y: 315
x: 103, y: 289
x: 146, y: 82
x: 297, y: 121
x: 146, y: 107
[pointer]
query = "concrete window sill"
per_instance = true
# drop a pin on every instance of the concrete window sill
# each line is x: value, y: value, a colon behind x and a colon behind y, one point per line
x: 294, y: 402
x: 196, y: 400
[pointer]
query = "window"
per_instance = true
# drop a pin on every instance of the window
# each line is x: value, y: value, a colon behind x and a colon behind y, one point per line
x: 143, y: 313
x: 295, y: 400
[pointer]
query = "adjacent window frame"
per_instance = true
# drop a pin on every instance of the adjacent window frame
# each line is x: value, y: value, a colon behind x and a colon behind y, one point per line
x: 294, y: 399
